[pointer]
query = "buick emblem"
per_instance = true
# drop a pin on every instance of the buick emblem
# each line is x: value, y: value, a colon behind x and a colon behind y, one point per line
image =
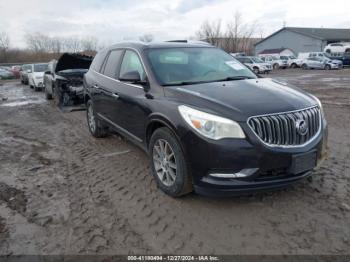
x: 301, y: 127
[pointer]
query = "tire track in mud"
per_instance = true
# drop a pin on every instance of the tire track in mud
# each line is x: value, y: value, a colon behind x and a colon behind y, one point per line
x: 128, y: 189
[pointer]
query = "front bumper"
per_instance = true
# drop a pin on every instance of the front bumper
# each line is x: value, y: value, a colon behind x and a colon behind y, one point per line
x: 234, y: 155
x: 38, y: 83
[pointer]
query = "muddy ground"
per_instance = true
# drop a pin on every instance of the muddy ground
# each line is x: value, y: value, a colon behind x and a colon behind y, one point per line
x: 65, y: 192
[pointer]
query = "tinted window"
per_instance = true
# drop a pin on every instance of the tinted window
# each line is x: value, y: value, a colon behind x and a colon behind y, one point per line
x: 112, y: 63
x: 131, y: 62
x: 98, y: 60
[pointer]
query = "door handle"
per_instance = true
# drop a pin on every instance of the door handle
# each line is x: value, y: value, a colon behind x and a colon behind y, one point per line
x: 116, y: 96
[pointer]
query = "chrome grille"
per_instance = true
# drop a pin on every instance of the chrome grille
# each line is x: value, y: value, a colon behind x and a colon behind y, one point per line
x: 281, y: 129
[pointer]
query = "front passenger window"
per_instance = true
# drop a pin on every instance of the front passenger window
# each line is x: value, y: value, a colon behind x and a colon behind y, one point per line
x: 131, y: 62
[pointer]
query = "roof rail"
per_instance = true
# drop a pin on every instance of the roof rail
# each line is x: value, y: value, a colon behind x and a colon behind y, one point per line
x: 177, y: 41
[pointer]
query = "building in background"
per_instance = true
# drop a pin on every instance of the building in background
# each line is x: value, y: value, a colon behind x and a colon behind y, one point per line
x: 299, y: 39
x: 277, y: 52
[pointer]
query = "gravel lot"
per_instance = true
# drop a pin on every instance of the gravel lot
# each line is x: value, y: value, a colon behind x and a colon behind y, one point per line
x: 64, y: 192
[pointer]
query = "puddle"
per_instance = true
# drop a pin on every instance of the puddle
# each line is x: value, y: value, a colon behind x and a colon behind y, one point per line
x: 22, y: 103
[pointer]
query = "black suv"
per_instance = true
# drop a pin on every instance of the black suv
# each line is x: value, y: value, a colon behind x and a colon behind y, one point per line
x: 207, y: 122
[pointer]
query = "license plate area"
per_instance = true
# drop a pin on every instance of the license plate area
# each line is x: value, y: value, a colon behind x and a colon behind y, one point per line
x: 303, y: 162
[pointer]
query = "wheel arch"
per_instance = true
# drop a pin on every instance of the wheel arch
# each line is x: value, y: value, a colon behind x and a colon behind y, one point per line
x: 157, y: 121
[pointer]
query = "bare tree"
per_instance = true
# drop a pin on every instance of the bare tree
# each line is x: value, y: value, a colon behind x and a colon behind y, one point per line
x: 72, y: 44
x: 89, y: 43
x: 210, y: 32
x: 146, y: 38
x: 4, y: 41
x: 239, y: 35
x: 4, y: 46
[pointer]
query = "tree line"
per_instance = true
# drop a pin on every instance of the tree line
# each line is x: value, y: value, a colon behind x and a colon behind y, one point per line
x: 43, y: 48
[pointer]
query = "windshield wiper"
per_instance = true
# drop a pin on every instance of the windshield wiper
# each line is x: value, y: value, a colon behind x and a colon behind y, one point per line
x: 233, y: 78
x: 184, y: 83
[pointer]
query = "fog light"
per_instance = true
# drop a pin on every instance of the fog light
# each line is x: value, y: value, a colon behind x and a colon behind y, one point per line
x: 243, y: 173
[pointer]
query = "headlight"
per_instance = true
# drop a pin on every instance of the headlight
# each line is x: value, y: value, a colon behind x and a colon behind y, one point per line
x: 211, y: 126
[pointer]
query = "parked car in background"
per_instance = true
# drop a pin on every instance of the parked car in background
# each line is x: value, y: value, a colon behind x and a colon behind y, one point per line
x: 36, y: 75
x: 255, y: 64
x: 23, y: 74
x: 207, y: 122
x: 292, y: 61
x: 340, y: 47
x: 275, y: 62
x: 6, y: 74
x: 321, y: 63
x: 16, y: 71
x: 238, y: 54
x: 63, y: 80
x: 346, y: 59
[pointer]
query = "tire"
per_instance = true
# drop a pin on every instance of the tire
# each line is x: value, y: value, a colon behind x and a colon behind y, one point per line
x: 304, y: 66
x: 276, y: 66
x: 293, y: 65
x: 256, y: 70
x: 327, y: 67
x: 96, y: 127
x: 180, y: 182
x: 47, y: 95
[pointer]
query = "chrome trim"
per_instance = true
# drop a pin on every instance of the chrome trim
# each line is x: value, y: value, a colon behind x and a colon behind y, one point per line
x: 116, y: 80
x: 289, y: 112
x: 119, y: 127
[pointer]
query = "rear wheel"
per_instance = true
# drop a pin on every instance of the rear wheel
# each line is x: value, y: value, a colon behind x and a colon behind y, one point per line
x: 168, y: 163
x: 294, y: 65
x: 96, y: 127
x: 276, y: 66
x: 304, y: 66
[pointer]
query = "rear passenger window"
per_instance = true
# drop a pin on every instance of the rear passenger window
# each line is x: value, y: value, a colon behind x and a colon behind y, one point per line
x: 112, y: 63
x: 98, y: 60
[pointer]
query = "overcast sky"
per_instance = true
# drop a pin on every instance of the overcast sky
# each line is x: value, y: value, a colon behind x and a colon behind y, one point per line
x: 111, y: 21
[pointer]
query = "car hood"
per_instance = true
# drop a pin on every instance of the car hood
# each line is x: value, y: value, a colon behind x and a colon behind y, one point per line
x: 243, y: 98
x: 73, y: 61
x: 38, y: 74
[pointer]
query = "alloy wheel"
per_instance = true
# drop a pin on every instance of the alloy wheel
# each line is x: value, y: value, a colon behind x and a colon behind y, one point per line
x: 164, y: 162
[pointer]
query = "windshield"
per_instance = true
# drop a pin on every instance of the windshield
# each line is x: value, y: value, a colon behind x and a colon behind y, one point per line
x: 40, y: 67
x: 257, y: 60
x: 191, y: 65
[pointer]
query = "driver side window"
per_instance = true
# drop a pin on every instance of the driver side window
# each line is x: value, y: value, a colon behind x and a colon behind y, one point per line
x: 131, y: 62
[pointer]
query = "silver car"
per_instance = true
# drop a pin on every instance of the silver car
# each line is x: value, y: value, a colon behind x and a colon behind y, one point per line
x: 255, y: 64
x: 321, y: 63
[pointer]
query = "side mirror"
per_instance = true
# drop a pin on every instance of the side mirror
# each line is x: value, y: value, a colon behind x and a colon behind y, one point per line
x: 132, y: 76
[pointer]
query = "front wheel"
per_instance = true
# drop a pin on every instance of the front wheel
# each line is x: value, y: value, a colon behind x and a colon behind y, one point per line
x: 327, y: 67
x: 256, y: 70
x: 96, y: 127
x: 168, y: 163
x: 48, y: 96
